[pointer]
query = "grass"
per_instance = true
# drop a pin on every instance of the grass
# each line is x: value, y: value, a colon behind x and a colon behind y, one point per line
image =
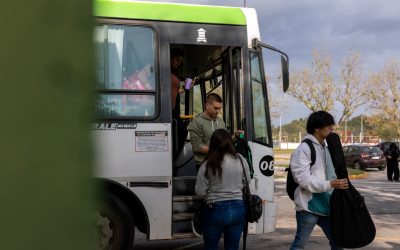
x: 352, y: 171
x: 282, y: 165
x: 283, y: 151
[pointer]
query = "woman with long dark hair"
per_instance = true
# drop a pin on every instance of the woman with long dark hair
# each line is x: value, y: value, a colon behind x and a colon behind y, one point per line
x: 220, y: 180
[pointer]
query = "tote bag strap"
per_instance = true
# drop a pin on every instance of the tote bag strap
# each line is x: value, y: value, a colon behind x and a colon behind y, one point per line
x: 244, y: 172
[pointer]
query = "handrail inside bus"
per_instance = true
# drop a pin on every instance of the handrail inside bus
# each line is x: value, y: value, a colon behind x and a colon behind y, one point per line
x: 187, y: 116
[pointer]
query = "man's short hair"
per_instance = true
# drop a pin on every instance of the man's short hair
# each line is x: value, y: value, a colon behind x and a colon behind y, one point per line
x: 213, y: 97
x: 176, y: 52
x: 319, y: 119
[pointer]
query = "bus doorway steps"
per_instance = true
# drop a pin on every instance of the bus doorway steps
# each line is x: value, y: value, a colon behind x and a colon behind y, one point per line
x: 185, y: 204
x: 184, y: 208
x: 184, y: 185
x: 182, y: 223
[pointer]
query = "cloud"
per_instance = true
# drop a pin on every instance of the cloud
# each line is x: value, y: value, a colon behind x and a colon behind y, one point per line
x: 297, y: 27
x: 372, y: 26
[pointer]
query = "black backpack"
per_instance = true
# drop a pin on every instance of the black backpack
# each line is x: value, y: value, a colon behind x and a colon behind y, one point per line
x: 291, y: 185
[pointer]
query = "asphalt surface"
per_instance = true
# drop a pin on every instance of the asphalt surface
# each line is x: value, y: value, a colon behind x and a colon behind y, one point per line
x: 382, y: 199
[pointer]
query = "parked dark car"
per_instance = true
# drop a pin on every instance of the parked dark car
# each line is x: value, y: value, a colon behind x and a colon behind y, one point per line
x: 364, y: 156
x: 385, y: 145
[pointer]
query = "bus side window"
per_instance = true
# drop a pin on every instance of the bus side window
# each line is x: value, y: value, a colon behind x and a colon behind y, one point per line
x: 125, y: 63
x: 259, y: 98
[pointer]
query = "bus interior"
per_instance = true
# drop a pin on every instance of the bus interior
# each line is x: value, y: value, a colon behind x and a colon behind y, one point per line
x: 214, y: 69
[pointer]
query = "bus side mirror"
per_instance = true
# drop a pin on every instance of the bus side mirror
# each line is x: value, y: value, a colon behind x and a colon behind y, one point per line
x: 257, y: 44
x: 285, y: 73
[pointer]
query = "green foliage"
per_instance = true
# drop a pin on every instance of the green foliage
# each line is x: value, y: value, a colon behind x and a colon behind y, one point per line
x: 383, y: 127
x: 46, y: 71
x: 372, y: 126
x: 292, y: 130
x: 354, y: 126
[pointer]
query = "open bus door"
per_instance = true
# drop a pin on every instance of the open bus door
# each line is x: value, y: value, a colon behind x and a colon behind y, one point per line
x: 217, y: 69
x: 237, y: 75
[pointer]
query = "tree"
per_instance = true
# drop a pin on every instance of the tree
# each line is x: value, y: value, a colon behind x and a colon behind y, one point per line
x: 314, y: 86
x: 385, y: 96
x: 380, y: 127
x: 277, y: 101
x: 351, y: 90
x: 292, y: 130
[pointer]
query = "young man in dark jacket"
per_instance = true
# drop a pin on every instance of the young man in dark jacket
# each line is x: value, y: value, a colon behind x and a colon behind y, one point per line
x: 392, y: 160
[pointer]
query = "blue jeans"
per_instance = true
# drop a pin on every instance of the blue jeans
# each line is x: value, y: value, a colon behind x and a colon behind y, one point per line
x: 227, y: 217
x: 306, y: 222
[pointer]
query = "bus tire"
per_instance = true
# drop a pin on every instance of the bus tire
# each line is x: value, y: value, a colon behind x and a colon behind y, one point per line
x: 115, y: 224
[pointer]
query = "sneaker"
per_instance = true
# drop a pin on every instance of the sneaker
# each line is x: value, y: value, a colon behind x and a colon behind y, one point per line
x: 196, y: 230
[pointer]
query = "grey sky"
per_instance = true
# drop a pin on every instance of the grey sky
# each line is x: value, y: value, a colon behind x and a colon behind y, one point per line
x: 297, y: 27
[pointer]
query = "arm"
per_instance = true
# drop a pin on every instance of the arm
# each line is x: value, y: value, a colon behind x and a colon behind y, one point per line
x: 201, y: 182
x: 196, y: 138
x: 391, y: 154
x: 300, y: 167
x: 236, y: 134
x: 339, y: 184
x: 203, y: 149
x: 183, y: 88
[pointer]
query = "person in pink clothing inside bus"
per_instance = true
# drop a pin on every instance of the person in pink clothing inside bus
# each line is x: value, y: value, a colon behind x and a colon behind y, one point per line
x: 137, y: 81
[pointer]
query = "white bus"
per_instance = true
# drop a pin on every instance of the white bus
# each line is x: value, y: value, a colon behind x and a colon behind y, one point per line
x: 134, y: 135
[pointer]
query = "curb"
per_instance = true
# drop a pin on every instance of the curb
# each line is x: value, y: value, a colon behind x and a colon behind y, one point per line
x: 351, y: 177
x: 359, y: 176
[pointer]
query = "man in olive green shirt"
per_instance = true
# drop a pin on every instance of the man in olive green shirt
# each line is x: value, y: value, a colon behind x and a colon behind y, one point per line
x: 203, y: 126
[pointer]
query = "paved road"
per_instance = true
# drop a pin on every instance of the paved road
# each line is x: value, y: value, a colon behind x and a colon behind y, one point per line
x: 382, y: 198
x: 383, y: 201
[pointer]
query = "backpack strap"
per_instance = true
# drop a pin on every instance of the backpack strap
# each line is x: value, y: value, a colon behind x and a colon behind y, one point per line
x: 312, y: 148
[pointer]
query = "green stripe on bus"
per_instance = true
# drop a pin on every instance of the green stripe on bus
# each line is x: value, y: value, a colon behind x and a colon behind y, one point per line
x: 169, y: 12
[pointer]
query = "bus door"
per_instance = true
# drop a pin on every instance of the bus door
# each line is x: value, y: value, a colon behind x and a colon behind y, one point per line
x: 246, y: 108
x: 258, y: 123
x: 217, y: 69
x: 241, y: 108
x: 231, y: 75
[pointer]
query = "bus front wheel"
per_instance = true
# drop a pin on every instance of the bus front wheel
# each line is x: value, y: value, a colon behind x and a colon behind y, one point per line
x: 114, y: 223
